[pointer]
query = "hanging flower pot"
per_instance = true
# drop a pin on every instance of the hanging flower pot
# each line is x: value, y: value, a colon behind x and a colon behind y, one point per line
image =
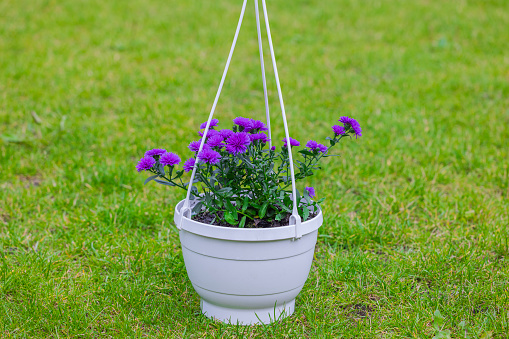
x: 247, y: 275
x: 247, y: 233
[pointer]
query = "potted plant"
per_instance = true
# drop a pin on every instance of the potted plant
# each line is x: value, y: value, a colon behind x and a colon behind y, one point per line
x: 247, y: 238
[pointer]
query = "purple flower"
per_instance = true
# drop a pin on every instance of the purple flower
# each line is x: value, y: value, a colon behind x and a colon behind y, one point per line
x: 195, y: 146
x: 213, y: 123
x: 293, y: 142
x: 311, y: 192
x: 312, y: 145
x: 211, y: 133
x: 209, y: 156
x: 215, y: 141
x: 169, y: 159
x: 189, y: 164
x: 353, y: 124
x: 259, y: 136
x: 155, y: 151
x: 256, y: 125
x: 322, y: 148
x: 338, y: 130
x: 273, y: 148
x: 226, y: 133
x: 145, y: 163
x: 242, y: 122
x: 238, y: 143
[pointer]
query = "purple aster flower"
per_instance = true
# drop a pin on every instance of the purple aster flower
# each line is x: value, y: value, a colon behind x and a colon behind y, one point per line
x: 293, y: 142
x: 189, y: 164
x: 273, y: 148
x: 312, y: 145
x: 226, y: 133
x: 259, y: 136
x: 155, y: 151
x: 356, y: 127
x: 242, y: 122
x: 211, y: 133
x: 338, y: 130
x: 256, y: 125
x: 169, y: 159
x: 195, y: 146
x: 322, y: 148
x: 238, y: 143
x: 209, y: 156
x: 213, y: 123
x: 145, y: 163
x: 215, y: 141
x: 311, y: 192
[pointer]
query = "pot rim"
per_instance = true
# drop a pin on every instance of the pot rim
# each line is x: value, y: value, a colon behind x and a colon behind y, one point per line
x: 246, y: 234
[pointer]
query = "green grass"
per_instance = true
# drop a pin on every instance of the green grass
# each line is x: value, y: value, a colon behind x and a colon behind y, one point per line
x: 416, y: 211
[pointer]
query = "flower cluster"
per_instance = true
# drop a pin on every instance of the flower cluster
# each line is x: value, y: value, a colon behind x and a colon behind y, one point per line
x: 237, y: 143
x: 316, y: 147
x: 243, y: 176
x: 145, y: 163
x: 293, y: 143
x: 352, y: 125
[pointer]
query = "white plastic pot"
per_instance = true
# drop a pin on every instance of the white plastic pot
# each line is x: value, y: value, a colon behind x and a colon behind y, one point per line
x: 247, y: 276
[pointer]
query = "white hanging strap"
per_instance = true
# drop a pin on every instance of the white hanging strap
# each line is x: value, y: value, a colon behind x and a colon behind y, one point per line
x: 186, y: 210
x: 295, y: 217
x: 260, y: 47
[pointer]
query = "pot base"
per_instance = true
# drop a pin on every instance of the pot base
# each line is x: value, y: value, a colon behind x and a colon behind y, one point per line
x: 247, y: 316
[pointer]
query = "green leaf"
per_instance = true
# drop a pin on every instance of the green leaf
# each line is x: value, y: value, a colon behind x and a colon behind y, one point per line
x: 306, y: 152
x: 230, y: 218
x: 251, y: 212
x: 306, y: 196
x: 231, y: 209
x: 212, y: 180
x: 164, y: 182
x: 438, y: 319
x: 245, y: 204
x: 263, y: 210
x: 224, y: 190
x: 150, y: 179
x: 242, y: 222
x: 285, y: 208
x: 255, y: 205
x: 197, y: 208
x: 278, y: 217
x: 161, y: 169
x: 305, y: 213
x: 208, y: 198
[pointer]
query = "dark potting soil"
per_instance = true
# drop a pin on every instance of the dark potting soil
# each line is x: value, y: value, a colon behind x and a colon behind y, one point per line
x: 207, y: 218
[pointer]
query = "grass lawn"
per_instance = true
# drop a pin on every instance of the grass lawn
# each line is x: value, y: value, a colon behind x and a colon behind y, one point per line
x: 416, y: 211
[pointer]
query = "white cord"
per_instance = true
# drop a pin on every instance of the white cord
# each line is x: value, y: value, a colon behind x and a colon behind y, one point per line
x: 295, y: 214
x: 294, y: 218
x: 186, y: 206
x: 260, y: 47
